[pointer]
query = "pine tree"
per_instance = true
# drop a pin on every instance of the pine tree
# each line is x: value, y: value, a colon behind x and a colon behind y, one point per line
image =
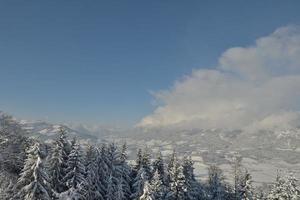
x: 64, y: 144
x: 284, y: 188
x: 103, y: 170
x: 141, y: 173
x: 246, y: 188
x: 7, y: 189
x: 278, y: 189
x: 55, y: 167
x: 147, y: 192
x: 237, y: 175
x: 170, y: 165
x: 291, y: 187
x: 114, y: 166
x: 12, y: 144
x: 157, y: 187
x: 138, y: 184
x: 125, y: 180
x: 138, y: 162
x: 110, y: 188
x: 75, y: 168
x: 33, y: 183
x: 92, y: 187
x: 120, y: 194
x: 57, y: 164
x: 124, y: 156
x: 216, y: 186
x: 193, y: 190
x: 177, y: 181
x: 146, y: 164
x: 158, y: 165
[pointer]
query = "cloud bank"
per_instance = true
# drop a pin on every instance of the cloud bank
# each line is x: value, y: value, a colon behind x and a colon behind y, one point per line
x: 257, y: 86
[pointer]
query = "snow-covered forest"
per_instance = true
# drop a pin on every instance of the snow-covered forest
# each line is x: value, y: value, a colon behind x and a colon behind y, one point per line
x: 66, y: 169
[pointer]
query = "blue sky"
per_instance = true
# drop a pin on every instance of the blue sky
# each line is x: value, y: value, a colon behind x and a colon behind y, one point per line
x: 98, y: 61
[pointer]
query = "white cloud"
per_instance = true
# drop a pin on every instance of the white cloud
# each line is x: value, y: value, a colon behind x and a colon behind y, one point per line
x: 255, y: 86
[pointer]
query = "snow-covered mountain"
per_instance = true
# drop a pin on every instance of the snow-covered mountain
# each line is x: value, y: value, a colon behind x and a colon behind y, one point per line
x: 48, y: 131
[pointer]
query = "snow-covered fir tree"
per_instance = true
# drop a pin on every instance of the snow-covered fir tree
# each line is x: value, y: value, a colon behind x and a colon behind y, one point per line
x: 75, y: 175
x: 158, y: 165
x: 193, y: 188
x: 138, y: 183
x: 147, y: 192
x: 278, y: 189
x: 246, y: 187
x: 138, y: 163
x: 157, y: 187
x: 292, y: 187
x: 125, y: 179
x: 33, y: 183
x: 285, y: 188
x: 93, y: 189
x: 141, y: 173
x: 56, y: 167
x: 146, y: 163
x: 64, y: 144
x: 120, y: 193
x: 57, y: 163
x: 13, y: 142
x: 7, y: 184
x: 115, y: 166
x: 103, y: 170
x: 216, y: 185
x: 177, y: 181
x: 111, y: 188
x: 237, y: 176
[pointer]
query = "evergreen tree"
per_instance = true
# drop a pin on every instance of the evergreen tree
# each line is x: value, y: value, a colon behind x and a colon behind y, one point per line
x: 124, y: 182
x: 114, y: 166
x: 110, y: 188
x: 141, y: 173
x: 7, y: 191
x: 33, y: 183
x: 237, y: 175
x: 177, y: 181
x: 124, y: 156
x: 146, y: 164
x: 75, y: 168
x: 216, y: 185
x: 55, y: 167
x: 138, y: 162
x: 277, y: 189
x: 158, y: 165
x: 292, y: 187
x: 170, y: 165
x: 92, y: 188
x: 147, y: 192
x: 246, y: 189
x: 193, y: 189
x: 157, y: 187
x: 103, y: 170
x: 120, y: 194
x: 57, y: 164
x: 260, y: 193
x: 64, y: 144
x: 138, y: 184
x: 13, y: 142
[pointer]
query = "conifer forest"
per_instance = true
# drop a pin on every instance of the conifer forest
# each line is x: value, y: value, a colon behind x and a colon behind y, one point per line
x: 68, y: 170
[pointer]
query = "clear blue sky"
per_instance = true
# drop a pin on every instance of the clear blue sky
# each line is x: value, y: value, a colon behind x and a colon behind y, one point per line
x: 97, y: 61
